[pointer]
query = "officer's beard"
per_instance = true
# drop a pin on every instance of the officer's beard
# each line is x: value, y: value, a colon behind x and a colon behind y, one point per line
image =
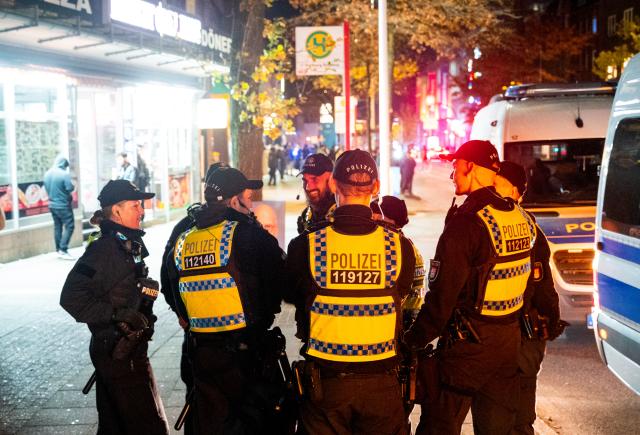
x: 322, y: 205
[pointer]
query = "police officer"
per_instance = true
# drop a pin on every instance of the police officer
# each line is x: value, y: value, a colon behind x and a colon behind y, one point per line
x: 541, y: 312
x: 348, y: 278
x: 186, y: 372
x: 477, y: 282
x: 106, y: 289
x: 224, y: 273
x: 315, y: 182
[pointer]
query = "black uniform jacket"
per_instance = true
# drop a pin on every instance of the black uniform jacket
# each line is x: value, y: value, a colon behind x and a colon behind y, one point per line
x: 104, y: 278
x: 255, y: 253
x: 464, y: 245
x: 541, y: 293
x: 348, y: 219
x: 310, y: 217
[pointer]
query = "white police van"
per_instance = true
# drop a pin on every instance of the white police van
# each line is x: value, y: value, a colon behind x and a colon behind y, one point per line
x: 617, y: 263
x: 556, y: 131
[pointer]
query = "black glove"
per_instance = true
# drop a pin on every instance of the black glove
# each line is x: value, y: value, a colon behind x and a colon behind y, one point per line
x: 136, y: 320
x: 557, y: 329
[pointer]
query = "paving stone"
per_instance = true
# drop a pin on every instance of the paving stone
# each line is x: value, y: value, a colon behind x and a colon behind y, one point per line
x: 64, y: 416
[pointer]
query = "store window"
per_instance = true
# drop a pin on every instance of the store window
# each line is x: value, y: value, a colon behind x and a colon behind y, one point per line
x: 38, y: 142
x: 5, y: 173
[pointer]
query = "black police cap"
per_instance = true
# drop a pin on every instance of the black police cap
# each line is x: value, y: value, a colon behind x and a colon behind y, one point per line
x: 121, y: 190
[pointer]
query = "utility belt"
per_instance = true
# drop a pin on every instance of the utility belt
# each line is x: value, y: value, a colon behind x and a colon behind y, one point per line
x: 459, y: 328
x: 230, y: 341
x: 308, y: 376
x: 534, y: 326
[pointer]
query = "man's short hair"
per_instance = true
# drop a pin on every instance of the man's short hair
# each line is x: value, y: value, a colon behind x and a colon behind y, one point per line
x: 123, y: 154
x: 358, y: 189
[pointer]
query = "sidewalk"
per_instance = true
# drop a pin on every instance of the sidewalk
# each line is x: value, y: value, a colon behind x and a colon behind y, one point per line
x: 44, y: 360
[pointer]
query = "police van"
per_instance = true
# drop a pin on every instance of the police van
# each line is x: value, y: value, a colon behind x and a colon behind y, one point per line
x: 617, y: 263
x: 556, y: 131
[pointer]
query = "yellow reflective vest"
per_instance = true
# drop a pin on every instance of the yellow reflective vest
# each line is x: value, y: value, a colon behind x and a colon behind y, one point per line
x: 353, y: 316
x: 209, y: 292
x: 513, y: 235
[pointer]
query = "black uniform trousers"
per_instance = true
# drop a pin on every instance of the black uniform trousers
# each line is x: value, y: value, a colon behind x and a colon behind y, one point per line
x: 481, y: 377
x: 231, y: 395
x: 356, y: 404
x: 186, y: 374
x: 529, y: 362
x: 127, y: 397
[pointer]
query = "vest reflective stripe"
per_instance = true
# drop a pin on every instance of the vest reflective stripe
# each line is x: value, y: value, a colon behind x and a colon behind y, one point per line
x: 350, y: 350
x: 212, y: 300
x: 225, y: 322
x: 512, y: 234
x: 354, y: 328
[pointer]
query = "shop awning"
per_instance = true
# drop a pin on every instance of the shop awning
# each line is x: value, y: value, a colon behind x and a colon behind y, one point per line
x: 30, y: 35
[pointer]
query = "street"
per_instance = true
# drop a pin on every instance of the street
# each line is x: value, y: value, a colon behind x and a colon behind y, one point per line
x: 44, y: 359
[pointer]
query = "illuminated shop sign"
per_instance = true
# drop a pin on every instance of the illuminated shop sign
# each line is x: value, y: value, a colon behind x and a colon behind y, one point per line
x: 166, y: 22
x: 74, y: 5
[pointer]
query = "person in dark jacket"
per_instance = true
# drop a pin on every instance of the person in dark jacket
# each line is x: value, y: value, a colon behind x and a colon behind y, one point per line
x: 347, y: 279
x: 541, y: 305
x: 273, y: 164
x: 186, y: 223
x: 229, y: 252
x: 407, y: 170
x: 108, y: 289
x: 57, y: 183
x: 477, y: 280
x: 316, y: 172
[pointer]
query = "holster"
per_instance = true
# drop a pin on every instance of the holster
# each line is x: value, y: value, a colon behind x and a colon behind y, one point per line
x: 534, y: 326
x: 307, y: 379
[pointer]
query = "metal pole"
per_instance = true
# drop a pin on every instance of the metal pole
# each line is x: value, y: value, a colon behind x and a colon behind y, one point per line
x: 383, y: 96
x: 347, y: 87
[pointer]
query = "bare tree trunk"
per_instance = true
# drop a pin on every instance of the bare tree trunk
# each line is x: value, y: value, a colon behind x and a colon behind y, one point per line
x: 248, y: 42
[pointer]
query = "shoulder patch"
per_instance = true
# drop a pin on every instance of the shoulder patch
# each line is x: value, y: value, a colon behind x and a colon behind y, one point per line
x: 538, y: 273
x: 434, y: 270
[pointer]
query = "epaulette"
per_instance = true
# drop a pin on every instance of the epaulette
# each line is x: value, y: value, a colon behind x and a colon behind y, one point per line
x: 388, y: 226
x: 317, y: 226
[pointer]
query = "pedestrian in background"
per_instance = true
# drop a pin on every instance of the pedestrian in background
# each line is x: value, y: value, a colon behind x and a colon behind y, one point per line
x: 59, y: 187
x: 273, y: 166
x: 109, y: 290
x: 143, y: 177
x: 225, y: 274
x: 540, y: 312
x: 477, y: 282
x: 407, y: 171
x: 348, y: 310
x: 126, y: 171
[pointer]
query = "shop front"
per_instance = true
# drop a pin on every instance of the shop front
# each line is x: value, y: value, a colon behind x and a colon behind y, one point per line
x: 89, y: 96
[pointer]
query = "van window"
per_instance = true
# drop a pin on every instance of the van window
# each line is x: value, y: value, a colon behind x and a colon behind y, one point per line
x: 621, y: 202
x: 559, y: 173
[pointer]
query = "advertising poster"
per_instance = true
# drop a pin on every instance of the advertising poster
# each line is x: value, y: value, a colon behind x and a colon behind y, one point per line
x: 271, y: 215
x: 32, y: 199
x: 179, y: 190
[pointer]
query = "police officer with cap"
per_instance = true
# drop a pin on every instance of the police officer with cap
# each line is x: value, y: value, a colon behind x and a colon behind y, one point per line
x: 477, y: 282
x: 540, y: 312
x: 108, y: 289
x: 316, y: 172
x: 186, y: 372
x: 224, y: 272
x: 348, y: 278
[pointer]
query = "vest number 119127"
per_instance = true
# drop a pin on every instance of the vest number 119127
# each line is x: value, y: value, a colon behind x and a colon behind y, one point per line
x: 355, y: 277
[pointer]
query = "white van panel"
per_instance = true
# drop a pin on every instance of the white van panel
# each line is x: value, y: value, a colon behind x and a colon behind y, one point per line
x: 555, y: 118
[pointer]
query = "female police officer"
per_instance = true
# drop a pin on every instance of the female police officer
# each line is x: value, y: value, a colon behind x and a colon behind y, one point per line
x: 108, y: 290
